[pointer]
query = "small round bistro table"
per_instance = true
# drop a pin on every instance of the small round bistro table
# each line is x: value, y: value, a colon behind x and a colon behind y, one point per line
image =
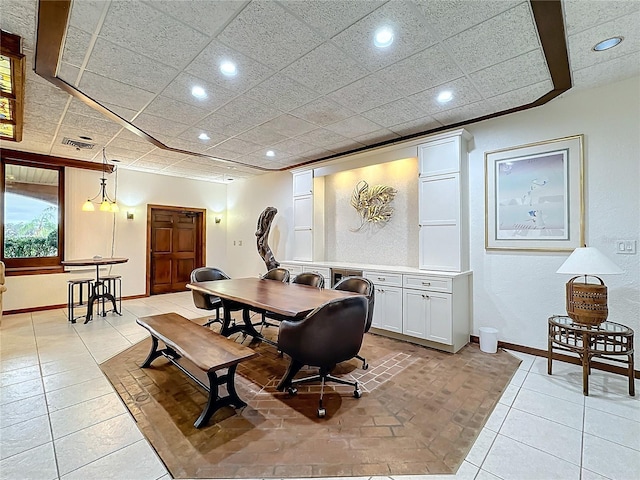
x: 608, y: 340
x: 99, y: 288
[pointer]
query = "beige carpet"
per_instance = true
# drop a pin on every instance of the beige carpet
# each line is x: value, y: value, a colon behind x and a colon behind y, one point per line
x: 420, y: 413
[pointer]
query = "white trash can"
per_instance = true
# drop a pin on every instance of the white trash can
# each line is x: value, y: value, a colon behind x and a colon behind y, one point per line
x: 488, y: 339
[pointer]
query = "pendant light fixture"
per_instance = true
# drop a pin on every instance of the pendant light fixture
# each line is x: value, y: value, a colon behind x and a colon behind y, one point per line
x: 105, y: 202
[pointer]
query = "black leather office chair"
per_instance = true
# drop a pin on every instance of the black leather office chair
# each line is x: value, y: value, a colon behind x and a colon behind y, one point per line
x: 203, y: 300
x: 365, y: 287
x: 309, y: 278
x: 331, y: 334
x: 280, y: 274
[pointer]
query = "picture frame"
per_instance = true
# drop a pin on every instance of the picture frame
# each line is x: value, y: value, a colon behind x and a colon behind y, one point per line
x: 534, y: 196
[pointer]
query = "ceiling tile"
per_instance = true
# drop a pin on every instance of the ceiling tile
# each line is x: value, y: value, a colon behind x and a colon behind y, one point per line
x: 122, y: 154
x: 86, y: 14
x: 18, y: 18
x: 45, y: 96
x: 454, y: 16
x: 323, y: 138
x: 294, y: 147
x: 265, y: 31
x: 581, y: 15
x: 165, y: 156
x: 393, y: 113
x: 192, y: 135
x: 40, y: 124
x: 180, y: 89
x: 317, y: 154
x: 463, y: 91
x: 282, y: 91
x: 365, y: 94
x: 243, y: 107
x: 67, y: 151
x: 237, y: 145
x: 513, y: 74
x: 220, y: 152
x: 167, y: 127
x: 329, y: 18
x: 505, y: 36
x: 187, y: 145
x: 608, y: 72
x: 521, y: 96
x: 325, y: 69
x: 76, y: 44
x: 428, y: 68
x: 143, y: 29
x: 75, y: 133
x: 207, y: 66
x: 130, y: 68
x: 378, y: 136
x: 181, y: 112
x: 472, y: 111
x: 262, y: 135
x: 101, y: 126
x: 416, y: 126
x: 68, y: 73
x: 289, y: 126
x: 260, y: 159
x: 137, y: 147
x: 411, y: 34
x: 322, y: 112
x: 79, y: 107
x: 37, y: 144
x: 581, y: 54
x: 122, y: 112
x: 103, y: 89
x: 206, y: 17
x: 354, y: 127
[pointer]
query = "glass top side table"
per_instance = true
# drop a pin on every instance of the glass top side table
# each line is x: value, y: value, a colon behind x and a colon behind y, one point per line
x: 608, y: 340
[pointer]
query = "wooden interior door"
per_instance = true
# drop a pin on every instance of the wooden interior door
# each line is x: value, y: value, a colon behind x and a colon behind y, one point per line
x: 176, y: 248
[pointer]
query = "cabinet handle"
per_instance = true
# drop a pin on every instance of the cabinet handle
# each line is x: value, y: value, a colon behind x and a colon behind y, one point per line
x: 425, y: 296
x: 426, y: 283
x: 382, y: 279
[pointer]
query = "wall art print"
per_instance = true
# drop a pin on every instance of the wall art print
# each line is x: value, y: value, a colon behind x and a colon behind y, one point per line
x: 534, y: 196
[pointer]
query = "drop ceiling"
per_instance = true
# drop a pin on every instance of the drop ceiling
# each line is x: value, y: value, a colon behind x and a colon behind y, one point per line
x: 310, y: 84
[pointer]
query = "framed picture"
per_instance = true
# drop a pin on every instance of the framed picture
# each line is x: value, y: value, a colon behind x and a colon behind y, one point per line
x: 534, y: 196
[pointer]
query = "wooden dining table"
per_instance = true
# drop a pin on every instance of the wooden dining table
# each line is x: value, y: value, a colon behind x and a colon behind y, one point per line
x: 99, y: 289
x: 288, y: 300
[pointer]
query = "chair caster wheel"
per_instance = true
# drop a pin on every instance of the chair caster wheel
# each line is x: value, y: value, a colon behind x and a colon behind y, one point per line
x: 321, y: 413
x: 365, y: 366
x: 292, y: 390
x: 357, y: 393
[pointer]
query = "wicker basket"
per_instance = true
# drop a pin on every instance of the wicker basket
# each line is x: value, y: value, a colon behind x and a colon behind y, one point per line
x: 587, y: 302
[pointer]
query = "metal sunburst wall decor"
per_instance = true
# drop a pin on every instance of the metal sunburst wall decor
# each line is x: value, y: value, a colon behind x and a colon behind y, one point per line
x: 372, y: 203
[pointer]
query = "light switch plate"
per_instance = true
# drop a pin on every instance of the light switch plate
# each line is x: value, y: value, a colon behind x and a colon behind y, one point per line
x: 626, y: 247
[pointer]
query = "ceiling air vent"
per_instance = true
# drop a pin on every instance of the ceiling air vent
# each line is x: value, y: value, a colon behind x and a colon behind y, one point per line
x: 77, y: 144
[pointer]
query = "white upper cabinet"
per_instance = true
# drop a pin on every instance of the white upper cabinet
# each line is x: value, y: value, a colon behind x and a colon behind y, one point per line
x: 308, y: 216
x: 303, y: 183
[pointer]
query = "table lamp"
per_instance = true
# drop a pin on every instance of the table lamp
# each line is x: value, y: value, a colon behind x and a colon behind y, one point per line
x: 587, y: 302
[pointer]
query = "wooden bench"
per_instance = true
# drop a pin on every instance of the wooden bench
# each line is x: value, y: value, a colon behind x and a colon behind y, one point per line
x: 189, y: 345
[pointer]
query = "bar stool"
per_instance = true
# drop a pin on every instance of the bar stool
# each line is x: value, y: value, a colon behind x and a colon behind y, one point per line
x: 113, y: 285
x: 71, y: 300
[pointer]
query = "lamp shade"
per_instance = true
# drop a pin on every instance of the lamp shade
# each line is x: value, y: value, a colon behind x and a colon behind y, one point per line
x: 588, y: 261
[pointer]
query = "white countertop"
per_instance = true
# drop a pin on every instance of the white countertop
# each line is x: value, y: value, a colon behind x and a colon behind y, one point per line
x: 377, y: 268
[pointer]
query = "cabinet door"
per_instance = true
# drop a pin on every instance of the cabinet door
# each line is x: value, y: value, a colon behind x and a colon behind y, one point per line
x: 440, y: 321
x: 303, y: 245
x: 392, y: 309
x: 303, y: 212
x: 303, y: 183
x: 440, y: 156
x: 415, y: 314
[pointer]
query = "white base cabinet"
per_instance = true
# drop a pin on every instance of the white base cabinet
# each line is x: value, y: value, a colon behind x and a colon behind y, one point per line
x: 428, y: 315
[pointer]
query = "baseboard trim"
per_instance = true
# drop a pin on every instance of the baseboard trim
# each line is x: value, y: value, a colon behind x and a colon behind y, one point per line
x: 538, y: 352
x: 55, y: 307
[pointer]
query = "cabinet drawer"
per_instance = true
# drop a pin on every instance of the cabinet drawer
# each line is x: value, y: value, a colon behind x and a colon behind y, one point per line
x: 325, y: 272
x: 293, y: 269
x: 420, y: 282
x: 384, y: 278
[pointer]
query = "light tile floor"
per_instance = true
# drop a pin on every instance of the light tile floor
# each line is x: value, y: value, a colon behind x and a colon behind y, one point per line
x: 61, y: 419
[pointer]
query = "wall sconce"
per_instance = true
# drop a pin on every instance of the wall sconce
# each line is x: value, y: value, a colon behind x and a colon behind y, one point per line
x: 217, y: 219
x: 130, y: 214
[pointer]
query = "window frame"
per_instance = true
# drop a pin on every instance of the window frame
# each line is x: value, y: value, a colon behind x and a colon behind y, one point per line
x: 36, y: 265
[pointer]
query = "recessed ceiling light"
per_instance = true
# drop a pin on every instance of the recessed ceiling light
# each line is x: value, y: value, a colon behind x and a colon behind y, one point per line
x: 445, y: 96
x: 270, y: 153
x: 204, y: 136
x: 383, y: 37
x: 607, y: 44
x: 228, y: 69
x: 198, y: 92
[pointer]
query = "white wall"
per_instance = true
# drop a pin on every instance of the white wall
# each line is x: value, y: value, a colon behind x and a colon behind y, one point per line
x: 517, y: 291
x: 391, y: 243
x: 91, y: 233
x: 246, y: 199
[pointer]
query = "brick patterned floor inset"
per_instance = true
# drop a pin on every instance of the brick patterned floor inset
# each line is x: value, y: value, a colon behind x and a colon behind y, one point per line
x: 420, y: 412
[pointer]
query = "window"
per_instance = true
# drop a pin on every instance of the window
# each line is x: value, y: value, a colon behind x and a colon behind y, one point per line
x: 32, y: 217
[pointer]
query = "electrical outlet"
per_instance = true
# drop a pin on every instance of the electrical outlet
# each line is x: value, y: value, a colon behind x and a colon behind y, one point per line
x: 240, y: 243
x: 234, y: 243
x: 626, y: 247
